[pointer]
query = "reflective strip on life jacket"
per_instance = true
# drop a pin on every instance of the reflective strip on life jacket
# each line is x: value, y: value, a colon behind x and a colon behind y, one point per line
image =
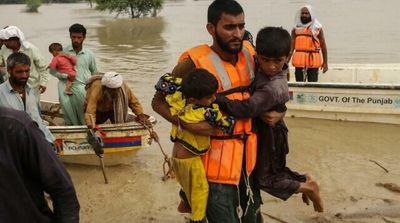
x: 219, y: 67
x: 250, y: 66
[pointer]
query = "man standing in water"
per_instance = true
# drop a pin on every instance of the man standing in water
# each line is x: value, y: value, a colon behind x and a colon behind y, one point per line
x: 73, y: 105
x: 307, y: 43
x: 231, y: 158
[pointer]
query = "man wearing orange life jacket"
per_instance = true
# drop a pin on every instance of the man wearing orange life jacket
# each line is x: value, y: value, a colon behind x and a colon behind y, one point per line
x: 307, y: 43
x: 231, y: 158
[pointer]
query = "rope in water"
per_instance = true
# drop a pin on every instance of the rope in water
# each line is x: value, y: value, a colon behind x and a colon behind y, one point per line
x: 167, y: 164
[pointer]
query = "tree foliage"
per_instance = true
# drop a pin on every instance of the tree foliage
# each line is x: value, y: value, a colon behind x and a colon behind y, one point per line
x: 12, y: 1
x: 135, y: 8
x: 33, y: 5
x: 44, y: 1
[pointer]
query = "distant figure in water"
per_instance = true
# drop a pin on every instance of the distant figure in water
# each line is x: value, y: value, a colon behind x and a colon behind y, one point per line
x: 64, y: 64
x: 108, y: 97
x: 307, y: 43
x: 269, y: 92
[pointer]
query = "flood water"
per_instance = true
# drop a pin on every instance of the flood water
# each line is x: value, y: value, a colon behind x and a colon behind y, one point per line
x: 338, y: 153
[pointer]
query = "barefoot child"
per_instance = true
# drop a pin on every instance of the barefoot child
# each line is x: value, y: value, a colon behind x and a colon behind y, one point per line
x: 63, y: 63
x: 191, y: 99
x: 269, y: 92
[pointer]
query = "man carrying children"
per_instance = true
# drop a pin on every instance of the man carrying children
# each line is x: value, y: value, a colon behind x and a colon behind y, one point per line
x: 230, y: 161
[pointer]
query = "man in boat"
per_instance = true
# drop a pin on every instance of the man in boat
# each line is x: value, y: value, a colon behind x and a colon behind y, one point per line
x: 308, y: 42
x: 230, y: 161
x: 29, y: 167
x: 14, y: 41
x: 17, y: 94
x: 73, y: 105
x: 108, y: 97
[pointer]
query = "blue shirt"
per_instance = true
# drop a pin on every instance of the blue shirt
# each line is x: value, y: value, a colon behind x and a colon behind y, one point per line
x: 11, y: 99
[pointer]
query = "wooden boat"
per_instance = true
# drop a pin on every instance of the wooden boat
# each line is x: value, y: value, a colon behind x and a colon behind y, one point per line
x: 120, y: 142
x: 362, y: 93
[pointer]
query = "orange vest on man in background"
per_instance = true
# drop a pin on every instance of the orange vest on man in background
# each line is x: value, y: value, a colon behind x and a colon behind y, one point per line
x: 307, y: 48
x: 223, y: 161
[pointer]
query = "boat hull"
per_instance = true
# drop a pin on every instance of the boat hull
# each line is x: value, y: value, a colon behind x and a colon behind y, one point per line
x: 121, y: 141
x: 378, y: 103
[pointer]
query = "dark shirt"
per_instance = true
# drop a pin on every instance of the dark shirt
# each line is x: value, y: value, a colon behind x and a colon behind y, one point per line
x: 267, y: 93
x: 28, y: 168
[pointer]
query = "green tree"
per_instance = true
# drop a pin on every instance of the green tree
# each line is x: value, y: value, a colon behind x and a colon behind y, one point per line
x: 135, y: 8
x: 33, y: 5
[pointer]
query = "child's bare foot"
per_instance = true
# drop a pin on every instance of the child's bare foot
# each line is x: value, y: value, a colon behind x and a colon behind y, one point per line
x: 183, y: 207
x: 313, y: 195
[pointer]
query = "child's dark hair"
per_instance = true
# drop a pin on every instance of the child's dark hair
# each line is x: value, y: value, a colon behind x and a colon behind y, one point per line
x: 198, y: 84
x: 273, y: 42
x: 55, y: 47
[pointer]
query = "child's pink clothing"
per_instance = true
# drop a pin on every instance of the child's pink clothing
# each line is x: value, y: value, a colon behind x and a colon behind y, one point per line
x: 64, y: 64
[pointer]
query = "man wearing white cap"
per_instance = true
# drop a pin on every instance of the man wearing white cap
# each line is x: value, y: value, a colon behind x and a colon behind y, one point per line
x: 14, y: 41
x: 108, y: 97
x: 308, y: 42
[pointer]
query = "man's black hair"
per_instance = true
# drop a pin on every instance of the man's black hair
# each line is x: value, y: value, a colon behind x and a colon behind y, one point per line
x: 198, y: 84
x: 55, y: 47
x: 17, y: 58
x: 77, y: 28
x: 273, y: 42
x: 218, y: 7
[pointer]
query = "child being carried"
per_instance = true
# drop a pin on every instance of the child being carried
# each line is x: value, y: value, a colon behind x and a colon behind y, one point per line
x: 63, y: 63
x: 191, y: 99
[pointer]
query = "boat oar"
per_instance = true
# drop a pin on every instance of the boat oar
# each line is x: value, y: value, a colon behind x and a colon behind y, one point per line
x: 97, y: 144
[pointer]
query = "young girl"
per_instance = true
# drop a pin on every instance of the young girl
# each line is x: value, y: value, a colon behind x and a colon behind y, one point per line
x: 192, y: 100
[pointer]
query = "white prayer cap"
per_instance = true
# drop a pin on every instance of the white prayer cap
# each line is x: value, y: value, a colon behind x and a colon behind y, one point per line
x: 112, y: 79
x: 13, y: 31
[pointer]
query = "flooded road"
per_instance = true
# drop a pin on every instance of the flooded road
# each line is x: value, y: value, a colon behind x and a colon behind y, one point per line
x: 339, y: 154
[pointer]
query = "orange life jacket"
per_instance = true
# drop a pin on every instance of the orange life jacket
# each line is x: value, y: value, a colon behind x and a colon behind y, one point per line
x: 223, y: 161
x: 307, y: 49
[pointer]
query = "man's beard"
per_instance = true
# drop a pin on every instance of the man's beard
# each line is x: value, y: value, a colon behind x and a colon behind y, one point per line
x: 76, y: 45
x: 305, y: 20
x: 225, y: 45
x: 20, y: 82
